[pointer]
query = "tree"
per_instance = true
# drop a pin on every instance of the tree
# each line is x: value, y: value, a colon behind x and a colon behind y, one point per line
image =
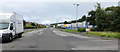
x: 24, y: 22
x: 115, y: 19
x: 110, y: 8
x: 92, y: 17
x: 107, y: 21
x: 80, y: 20
x: 33, y: 24
x: 84, y: 18
x: 101, y: 19
x: 66, y: 22
x: 74, y: 21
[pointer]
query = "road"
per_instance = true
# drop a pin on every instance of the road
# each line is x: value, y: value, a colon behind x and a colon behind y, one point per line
x: 53, y: 39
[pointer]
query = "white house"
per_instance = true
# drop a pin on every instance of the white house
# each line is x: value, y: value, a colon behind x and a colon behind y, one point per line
x: 79, y: 24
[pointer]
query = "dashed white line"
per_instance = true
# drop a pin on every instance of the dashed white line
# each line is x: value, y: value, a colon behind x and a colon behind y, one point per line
x: 40, y: 33
x: 54, y: 31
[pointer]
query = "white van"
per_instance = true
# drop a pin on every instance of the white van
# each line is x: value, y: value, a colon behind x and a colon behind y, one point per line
x: 11, y: 25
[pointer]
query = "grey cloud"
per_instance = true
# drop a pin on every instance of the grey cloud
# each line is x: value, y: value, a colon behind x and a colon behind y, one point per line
x: 53, y: 11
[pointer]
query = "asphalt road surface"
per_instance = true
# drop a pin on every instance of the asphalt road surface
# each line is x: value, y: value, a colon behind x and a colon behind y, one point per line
x: 53, y: 39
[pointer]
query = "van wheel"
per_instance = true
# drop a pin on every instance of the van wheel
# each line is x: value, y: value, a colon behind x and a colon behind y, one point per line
x: 20, y: 35
x: 10, y: 38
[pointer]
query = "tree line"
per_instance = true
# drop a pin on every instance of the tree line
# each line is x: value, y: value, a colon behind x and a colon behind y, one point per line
x: 32, y: 25
x: 107, y: 19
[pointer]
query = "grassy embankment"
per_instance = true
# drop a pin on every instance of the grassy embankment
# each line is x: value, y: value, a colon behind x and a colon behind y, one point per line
x: 102, y: 34
x: 29, y: 27
x: 105, y: 34
x: 70, y: 30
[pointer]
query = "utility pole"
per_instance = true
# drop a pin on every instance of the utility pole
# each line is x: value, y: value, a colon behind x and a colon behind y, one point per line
x: 77, y: 6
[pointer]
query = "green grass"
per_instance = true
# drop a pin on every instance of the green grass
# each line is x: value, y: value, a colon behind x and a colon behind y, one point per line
x: 74, y: 31
x: 70, y: 30
x: 105, y: 34
x: 30, y: 26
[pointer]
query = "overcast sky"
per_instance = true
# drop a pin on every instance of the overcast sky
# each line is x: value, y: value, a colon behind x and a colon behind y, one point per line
x: 51, y: 11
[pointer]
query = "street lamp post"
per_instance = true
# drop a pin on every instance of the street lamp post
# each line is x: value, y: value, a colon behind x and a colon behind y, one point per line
x: 77, y: 6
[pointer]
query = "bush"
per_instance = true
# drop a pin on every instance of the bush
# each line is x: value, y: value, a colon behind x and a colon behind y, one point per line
x: 41, y: 26
x: 107, y: 29
x: 92, y: 29
x: 117, y: 36
x: 58, y: 27
x: 81, y: 29
x: 96, y: 29
x: 62, y: 28
x: 29, y: 27
x: 102, y: 35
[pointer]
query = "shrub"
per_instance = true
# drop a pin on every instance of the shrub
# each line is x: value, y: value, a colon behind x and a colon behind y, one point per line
x: 92, y: 29
x: 81, y: 29
x: 29, y: 27
x: 102, y: 35
x: 96, y: 29
x: 107, y: 29
x: 62, y: 28
x: 58, y: 27
x: 117, y: 36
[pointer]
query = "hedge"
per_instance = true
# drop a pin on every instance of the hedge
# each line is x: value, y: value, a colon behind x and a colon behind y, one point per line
x: 81, y: 29
x: 30, y: 27
x: 58, y: 27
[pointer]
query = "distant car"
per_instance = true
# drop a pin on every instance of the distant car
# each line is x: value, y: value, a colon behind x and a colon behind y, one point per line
x: 11, y: 25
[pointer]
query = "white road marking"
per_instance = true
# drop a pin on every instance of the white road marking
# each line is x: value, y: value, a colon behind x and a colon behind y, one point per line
x: 70, y: 34
x: 62, y: 35
x: 40, y: 33
x: 59, y: 34
x: 54, y: 31
x: 51, y: 28
x: 43, y: 29
x: 40, y: 30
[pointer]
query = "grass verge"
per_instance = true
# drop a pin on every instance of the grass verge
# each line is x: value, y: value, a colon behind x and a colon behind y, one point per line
x: 70, y: 30
x: 105, y: 34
